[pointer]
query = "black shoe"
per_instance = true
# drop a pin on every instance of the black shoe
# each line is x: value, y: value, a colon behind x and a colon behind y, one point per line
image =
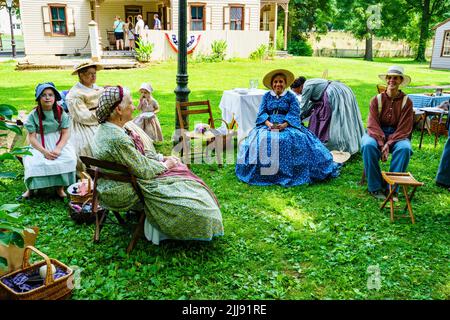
x: 378, y: 195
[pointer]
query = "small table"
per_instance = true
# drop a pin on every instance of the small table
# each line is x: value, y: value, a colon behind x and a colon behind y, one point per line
x: 433, y: 112
x: 403, y: 179
x: 241, y: 108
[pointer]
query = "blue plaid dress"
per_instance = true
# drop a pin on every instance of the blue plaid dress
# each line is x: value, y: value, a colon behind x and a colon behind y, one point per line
x: 290, y: 157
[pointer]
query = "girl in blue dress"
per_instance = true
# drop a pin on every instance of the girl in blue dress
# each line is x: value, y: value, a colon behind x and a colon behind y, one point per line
x: 280, y: 150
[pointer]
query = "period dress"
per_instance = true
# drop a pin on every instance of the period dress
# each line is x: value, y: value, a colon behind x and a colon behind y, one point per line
x: 147, y: 120
x: 177, y: 203
x: 39, y: 171
x: 345, y: 127
x: 82, y: 103
x: 290, y: 157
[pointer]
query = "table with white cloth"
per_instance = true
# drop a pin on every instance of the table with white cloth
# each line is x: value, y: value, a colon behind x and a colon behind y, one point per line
x: 242, y: 106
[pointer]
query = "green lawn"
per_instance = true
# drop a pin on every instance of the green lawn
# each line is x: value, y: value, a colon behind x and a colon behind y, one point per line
x: 306, y: 242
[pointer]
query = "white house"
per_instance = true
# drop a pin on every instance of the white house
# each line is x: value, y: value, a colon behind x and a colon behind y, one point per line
x: 5, y: 26
x: 440, y: 59
x: 62, y: 27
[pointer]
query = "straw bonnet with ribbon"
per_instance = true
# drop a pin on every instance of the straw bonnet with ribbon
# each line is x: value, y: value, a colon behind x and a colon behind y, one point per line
x: 267, y: 80
x: 146, y: 86
x: 340, y: 156
x: 396, y: 71
x: 85, y: 65
x: 111, y: 97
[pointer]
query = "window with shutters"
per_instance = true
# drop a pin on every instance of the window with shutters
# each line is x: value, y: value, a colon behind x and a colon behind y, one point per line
x: 236, y: 18
x: 446, y: 44
x: 58, y: 20
x: 197, y: 18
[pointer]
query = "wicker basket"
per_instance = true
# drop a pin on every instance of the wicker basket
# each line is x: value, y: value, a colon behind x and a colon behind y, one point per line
x: 76, y: 197
x: 82, y: 216
x: 440, y: 128
x: 52, y: 289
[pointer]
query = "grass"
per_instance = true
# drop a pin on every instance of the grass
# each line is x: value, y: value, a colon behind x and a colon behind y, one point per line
x: 306, y: 242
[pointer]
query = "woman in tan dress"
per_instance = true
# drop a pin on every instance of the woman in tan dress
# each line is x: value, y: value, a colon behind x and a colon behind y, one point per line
x: 82, y: 102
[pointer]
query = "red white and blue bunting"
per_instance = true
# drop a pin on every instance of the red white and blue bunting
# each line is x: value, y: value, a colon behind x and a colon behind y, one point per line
x: 192, y: 42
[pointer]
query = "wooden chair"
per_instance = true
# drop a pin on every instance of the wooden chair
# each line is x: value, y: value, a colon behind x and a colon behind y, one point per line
x: 102, y: 169
x: 403, y: 179
x: 381, y: 88
x: 213, y: 137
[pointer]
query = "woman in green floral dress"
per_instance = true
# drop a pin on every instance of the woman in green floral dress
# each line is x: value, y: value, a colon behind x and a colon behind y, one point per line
x: 178, y: 204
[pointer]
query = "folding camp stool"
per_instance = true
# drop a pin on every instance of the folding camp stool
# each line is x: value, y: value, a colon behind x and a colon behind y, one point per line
x: 403, y: 179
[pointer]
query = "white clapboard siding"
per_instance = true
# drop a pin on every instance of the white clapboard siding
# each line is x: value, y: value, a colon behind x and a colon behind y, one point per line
x: 437, y: 61
x: 36, y: 27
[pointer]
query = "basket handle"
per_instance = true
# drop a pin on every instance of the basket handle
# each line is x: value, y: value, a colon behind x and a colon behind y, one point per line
x: 26, y: 263
x: 88, y: 177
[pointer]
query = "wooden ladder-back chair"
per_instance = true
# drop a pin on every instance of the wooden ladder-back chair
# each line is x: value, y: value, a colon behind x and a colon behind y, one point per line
x: 220, y: 140
x: 102, y: 169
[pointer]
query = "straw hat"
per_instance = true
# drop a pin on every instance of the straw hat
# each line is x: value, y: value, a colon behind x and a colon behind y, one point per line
x: 396, y: 71
x: 267, y: 80
x: 340, y: 156
x: 87, y: 65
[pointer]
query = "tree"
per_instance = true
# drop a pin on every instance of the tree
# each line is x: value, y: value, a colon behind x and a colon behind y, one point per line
x: 307, y: 15
x: 362, y: 18
x: 429, y: 12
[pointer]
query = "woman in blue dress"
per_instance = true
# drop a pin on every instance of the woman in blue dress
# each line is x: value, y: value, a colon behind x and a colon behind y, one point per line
x: 280, y: 150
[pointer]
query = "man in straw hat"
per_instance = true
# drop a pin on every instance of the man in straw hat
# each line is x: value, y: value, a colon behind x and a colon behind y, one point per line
x: 82, y: 101
x: 389, y: 127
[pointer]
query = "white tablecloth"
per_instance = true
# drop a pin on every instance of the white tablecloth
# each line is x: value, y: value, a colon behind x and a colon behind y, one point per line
x: 244, y: 108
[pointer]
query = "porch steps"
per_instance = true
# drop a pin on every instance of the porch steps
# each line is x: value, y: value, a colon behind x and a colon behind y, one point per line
x: 68, y: 62
x: 283, y: 54
x: 118, y: 54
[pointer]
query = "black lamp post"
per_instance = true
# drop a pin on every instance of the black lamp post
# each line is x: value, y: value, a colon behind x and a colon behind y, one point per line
x: 182, y: 91
x: 9, y: 5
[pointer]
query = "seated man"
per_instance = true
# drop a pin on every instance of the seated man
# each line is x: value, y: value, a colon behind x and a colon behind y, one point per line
x: 389, y: 127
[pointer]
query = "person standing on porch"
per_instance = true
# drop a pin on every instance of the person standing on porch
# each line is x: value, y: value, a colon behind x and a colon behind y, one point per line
x: 118, y: 33
x: 139, y: 29
x: 157, y: 24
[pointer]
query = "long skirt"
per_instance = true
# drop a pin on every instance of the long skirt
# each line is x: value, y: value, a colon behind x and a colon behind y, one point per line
x: 150, y: 126
x: 43, y: 173
x: 288, y: 158
x: 443, y: 175
x: 346, y: 126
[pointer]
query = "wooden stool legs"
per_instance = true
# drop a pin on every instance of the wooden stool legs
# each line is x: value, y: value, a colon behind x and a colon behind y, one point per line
x: 408, y: 199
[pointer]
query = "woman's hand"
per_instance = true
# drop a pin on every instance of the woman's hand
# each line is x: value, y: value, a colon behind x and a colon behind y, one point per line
x: 170, y: 162
x: 56, y: 152
x: 49, y: 155
x: 268, y: 124
x: 283, y: 126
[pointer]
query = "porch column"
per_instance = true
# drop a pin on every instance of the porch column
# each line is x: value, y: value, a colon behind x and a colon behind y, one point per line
x: 286, y: 12
x: 275, y: 27
x: 94, y: 42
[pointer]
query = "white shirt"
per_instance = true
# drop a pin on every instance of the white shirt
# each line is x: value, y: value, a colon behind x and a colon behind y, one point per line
x: 140, y: 27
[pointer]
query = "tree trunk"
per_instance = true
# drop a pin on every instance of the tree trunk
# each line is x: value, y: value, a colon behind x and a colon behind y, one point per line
x: 368, y: 55
x: 424, y: 26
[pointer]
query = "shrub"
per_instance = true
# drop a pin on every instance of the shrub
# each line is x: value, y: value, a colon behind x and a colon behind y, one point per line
x: 144, y: 50
x: 219, y: 48
x: 260, y: 53
x: 300, y: 48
